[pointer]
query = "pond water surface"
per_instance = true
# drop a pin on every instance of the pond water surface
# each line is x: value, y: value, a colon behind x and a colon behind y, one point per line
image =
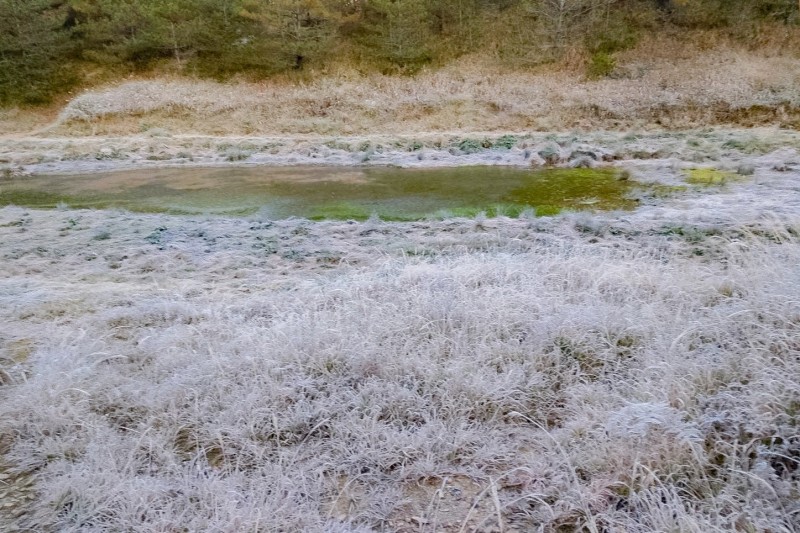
x: 331, y: 192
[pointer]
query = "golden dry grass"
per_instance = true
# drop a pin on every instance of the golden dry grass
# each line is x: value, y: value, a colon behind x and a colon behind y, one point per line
x: 664, y: 83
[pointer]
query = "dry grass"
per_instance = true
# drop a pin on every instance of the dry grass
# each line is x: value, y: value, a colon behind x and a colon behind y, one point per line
x: 619, y: 373
x: 662, y: 83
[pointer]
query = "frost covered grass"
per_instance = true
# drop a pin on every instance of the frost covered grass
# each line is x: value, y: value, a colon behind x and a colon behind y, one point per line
x: 732, y: 150
x: 633, y: 372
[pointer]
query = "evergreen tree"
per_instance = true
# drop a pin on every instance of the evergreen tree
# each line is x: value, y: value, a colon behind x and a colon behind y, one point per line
x: 34, y: 45
x: 292, y: 31
x: 456, y: 24
x: 398, y: 32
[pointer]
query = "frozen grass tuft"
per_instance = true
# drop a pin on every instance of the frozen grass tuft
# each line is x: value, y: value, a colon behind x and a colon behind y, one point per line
x: 442, y: 375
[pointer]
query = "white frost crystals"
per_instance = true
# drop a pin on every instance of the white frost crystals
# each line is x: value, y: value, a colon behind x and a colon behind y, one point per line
x: 436, y: 375
x: 643, y: 420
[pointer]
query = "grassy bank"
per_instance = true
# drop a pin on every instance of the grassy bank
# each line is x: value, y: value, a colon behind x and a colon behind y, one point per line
x: 661, y: 84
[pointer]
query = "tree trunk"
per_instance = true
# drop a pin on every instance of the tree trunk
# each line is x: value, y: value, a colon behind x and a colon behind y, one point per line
x: 175, y: 47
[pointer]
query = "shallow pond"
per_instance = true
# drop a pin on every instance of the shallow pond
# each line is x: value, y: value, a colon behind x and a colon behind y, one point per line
x: 331, y: 192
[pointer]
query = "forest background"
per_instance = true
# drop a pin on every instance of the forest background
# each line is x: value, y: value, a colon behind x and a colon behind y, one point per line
x: 51, y: 47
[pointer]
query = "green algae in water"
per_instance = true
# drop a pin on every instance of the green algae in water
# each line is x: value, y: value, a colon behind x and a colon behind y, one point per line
x: 342, y: 211
x: 37, y: 198
x: 579, y: 188
x: 334, y: 193
x: 412, y: 194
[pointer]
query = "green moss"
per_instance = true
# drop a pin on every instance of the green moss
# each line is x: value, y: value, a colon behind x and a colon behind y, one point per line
x: 709, y: 176
x: 470, y: 146
x: 506, y: 141
x: 575, y: 188
x: 35, y: 198
x: 548, y: 210
x: 341, y: 211
x: 457, y: 212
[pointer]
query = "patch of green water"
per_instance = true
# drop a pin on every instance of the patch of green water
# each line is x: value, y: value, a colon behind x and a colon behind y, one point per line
x: 334, y: 193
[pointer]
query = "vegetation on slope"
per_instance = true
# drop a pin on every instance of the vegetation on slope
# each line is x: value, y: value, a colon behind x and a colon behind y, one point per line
x: 48, y: 46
